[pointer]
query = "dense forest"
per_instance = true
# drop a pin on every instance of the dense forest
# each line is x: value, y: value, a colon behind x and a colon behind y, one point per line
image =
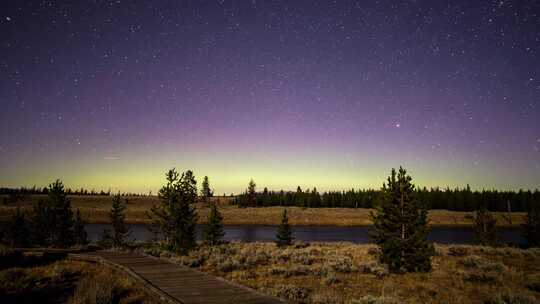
x: 69, y: 191
x: 451, y: 199
x: 458, y: 199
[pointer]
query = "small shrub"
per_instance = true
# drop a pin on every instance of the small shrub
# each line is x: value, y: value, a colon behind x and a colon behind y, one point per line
x: 102, y: 289
x: 374, y: 251
x: 510, y: 297
x: 153, y: 251
x: 228, y: 265
x: 291, y: 292
x: 343, y: 264
x: 458, y: 251
x: 289, y: 271
x: 472, y: 261
x: 189, y: 261
x: 482, y: 277
x: 325, y: 299
x: 256, y: 259
x: 375, y: 268
x: 476, y: 262
x: 330, y: 279
x: 243, y: 275
x: 303, y: 258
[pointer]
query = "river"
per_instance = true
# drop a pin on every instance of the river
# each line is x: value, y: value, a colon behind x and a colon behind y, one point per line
x: 252, y: 233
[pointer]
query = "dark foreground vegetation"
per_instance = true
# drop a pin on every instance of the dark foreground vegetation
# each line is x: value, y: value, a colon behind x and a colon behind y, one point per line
x: 50, y: 279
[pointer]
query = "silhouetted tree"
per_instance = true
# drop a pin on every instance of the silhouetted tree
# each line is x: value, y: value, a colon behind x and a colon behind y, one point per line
x: 485, y: 230
x: 400, y: 226
x: 175, y: 217
x: 531, y: 227
x: 119, y: 231
x: 61, y: 216
x: 81, y: 237
x: 206, y: 192
x: 213, y: 231
x: 40, y: 224
x: 284, y: 231
x: 251, y: 192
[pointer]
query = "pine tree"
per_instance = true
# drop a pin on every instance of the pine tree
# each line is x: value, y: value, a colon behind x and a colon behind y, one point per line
x: 531, y: 227
x: 116, y: 236
x: 400, y: 226
x: 175, y: 217
x: 213, y: 231
x: 61, y: 216
x: 206, y: 192
x: 252, y: 194
x: 40, y: 223
x: 315, y: 198
x: 284, y: 231
x: 18, y: 232
x: 299, y: 197
x: 485, y: 230
x: 81, y: 237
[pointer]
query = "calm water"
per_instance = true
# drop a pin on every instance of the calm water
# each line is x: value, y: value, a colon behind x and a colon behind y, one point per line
x: 251, y: 233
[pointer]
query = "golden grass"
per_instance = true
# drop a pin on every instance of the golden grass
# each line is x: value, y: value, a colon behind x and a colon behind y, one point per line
x: 95, y: 210
x: 71, y: 282
x: 349, y: 273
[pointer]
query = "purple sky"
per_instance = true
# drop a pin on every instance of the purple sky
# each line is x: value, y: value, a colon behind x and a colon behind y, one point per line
x: 313, y: 93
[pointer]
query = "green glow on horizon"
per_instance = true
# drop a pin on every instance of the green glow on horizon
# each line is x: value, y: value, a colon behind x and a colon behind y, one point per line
x: 230, y: 173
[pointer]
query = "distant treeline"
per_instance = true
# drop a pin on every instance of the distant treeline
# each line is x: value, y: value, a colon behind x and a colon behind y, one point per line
x: 451, y: 199
x: 68, y: 191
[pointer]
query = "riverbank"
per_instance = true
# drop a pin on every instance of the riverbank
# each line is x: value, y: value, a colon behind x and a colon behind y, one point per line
x: 350, y: 273
x: 95, y: 210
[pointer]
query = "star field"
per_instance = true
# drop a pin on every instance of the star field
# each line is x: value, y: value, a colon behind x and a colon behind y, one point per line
x: 313, y: 93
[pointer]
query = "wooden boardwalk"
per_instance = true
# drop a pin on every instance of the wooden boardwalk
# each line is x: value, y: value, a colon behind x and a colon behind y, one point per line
x: 175, y: 283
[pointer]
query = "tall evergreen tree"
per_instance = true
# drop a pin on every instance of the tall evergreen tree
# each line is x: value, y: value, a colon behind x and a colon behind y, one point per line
x: 206, y: 192
x: 175, y: 216
x: 116, y: 236
x: 400, y: 226
x: 531, y: 227
x: 252, y: 194
x: 213, y: 231
x: 81, y: 237
x: 61, y: 216
x: 40, y: 224
x: 299, y: 197
x: 485, y: 230
x: 284, y: 231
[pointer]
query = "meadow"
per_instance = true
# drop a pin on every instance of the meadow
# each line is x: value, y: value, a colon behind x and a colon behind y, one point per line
x: 350, y: 273
x: 38, y: 279
x: 95, y: 209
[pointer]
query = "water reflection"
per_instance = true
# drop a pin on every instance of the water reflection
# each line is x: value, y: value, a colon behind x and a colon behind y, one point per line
x: 251, y: 233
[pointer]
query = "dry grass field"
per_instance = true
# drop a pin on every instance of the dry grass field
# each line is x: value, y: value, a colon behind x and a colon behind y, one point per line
x: 349, y: 273
x: 34, y: 280
x: 95, y: 210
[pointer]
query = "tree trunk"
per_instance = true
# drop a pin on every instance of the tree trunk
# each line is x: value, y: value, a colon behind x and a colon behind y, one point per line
x: 402, y: 203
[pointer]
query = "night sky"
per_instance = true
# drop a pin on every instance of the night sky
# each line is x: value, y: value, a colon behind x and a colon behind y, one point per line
x: 330, y: 94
